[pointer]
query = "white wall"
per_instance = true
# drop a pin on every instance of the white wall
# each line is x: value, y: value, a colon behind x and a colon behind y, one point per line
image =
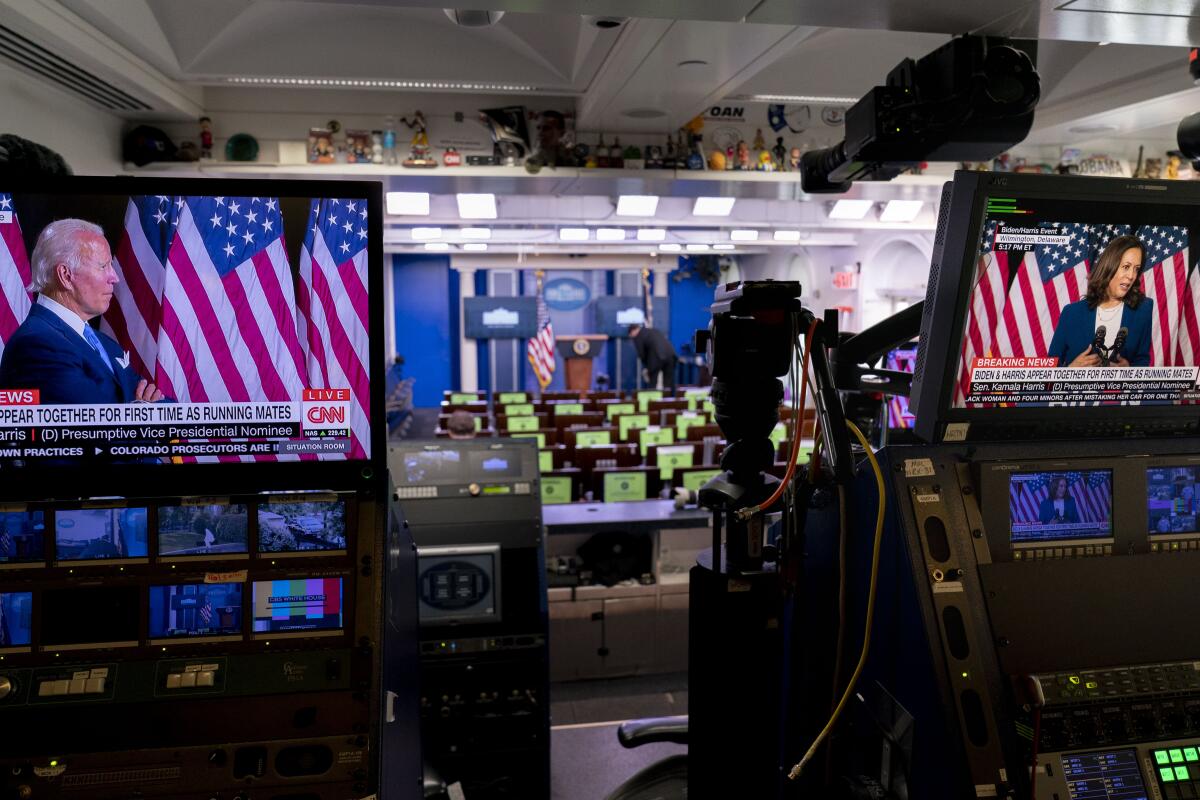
x: 88, y: 137
x: 895, y: 267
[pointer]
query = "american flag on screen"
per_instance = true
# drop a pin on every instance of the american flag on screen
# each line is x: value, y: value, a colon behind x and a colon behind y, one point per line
x: 332, y: 298
x: 1048, y: 278
x: 1092, y: 492
x: 983, y: 313
x: 14, y: 272
x: 1165, y: 280
x: 540, y: 349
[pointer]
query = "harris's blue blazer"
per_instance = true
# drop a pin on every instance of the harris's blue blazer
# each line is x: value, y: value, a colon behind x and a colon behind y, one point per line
x: 45, y: 354
x: 1077, y: 329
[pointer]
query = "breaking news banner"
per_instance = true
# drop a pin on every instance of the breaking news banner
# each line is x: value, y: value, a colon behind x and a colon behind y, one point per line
x: 315, y: 424
x: 1042, y: 381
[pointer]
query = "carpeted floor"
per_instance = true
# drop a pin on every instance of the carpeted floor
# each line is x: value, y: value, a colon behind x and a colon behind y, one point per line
x: 586, y: 760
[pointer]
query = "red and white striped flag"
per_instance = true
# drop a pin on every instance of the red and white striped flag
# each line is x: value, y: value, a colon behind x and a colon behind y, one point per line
x: 540, y: 349
x: 14, y: 272
x: 1165, y: 281
x: 333, y: 307
x: 983, y: 313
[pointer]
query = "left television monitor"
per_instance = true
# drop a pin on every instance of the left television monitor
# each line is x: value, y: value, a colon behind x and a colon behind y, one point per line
x: 100, y: 534
x: 22, y: 536
x: 172, y: 324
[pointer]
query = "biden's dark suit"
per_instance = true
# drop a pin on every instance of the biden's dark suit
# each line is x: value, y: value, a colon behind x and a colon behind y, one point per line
x: 47, y: 355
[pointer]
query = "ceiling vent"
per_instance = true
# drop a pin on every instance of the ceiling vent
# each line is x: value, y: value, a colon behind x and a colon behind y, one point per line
x: 473, y: 19
x: 605, y: 23
x: 32, y: 57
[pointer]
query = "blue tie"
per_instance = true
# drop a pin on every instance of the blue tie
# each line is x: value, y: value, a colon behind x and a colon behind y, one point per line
x: 94, y: 341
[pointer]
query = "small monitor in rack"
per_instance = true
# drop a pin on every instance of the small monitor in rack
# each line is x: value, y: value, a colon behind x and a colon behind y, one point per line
x: 96, y: 534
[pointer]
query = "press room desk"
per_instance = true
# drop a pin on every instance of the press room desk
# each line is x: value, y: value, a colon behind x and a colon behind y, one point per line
x: 640, y: 515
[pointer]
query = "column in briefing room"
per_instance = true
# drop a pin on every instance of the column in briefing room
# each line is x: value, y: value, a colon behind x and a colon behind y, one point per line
x: 578, y: 350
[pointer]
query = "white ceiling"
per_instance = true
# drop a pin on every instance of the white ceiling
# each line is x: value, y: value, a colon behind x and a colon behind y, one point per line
x: 179, y: 56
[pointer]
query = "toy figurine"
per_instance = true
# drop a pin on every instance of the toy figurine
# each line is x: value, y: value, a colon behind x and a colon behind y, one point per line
x: 206, y: 138
x: 743, y: 156
x: 765, y: 162
x: 794, y: 160
x: 452, y: 158
x: 389, y: 140
x: 418, y: 153
x: 759, y: 144
x: 716, y: 161
x: 603, y: 161
x: 779, y: 153
x: 1173, y: 162
x: 376, y: 147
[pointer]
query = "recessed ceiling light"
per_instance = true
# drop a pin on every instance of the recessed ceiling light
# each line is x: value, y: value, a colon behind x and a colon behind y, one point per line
x: 693, y: 62
x: 670, y: 247
x: 644, y: 113
x: 412, y: 203
x: 573, y: 234
x: 796, y: 98
x: 697, y: 248
x: 651, y: 234
x: 424, y: 234
x: 436, y: 246
x: 723, y: 246
x: 374, y: 83
x: 713, y: 206
x: 743, y: 235
x: 475, y: 247
x: 850, y: 209
x: 901, y: 210
x: 476, y: 233
x: 787, y: 236
x: 637, y: 205
x: 477, y: 206
x: 610, y: 234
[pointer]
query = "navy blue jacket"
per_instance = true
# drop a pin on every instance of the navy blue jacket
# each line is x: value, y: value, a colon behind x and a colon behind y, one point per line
x: 1077, y: 329
x: 1047, y: 513
x: 45, y: 354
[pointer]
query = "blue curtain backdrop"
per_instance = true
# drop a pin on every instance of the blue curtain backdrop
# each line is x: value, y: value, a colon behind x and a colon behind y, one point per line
x: 426, y: 303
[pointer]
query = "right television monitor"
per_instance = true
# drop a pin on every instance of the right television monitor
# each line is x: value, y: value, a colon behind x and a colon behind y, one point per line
x: 1171, y: 502
x: 1060, y: 303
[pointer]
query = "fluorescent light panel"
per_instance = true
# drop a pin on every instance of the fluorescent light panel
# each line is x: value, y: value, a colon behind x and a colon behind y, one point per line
x: 477, y: 206
x: 368, y: 83
x: 651, y: 234
x: 787, y: 236
x: 901, y: 210
x: 670, y: 247
x: 476, y: 233
x: 425, y: 234
x: 850, y: 209
x: 798, y: 98
x: 723, y: 246
x: 743, y: 235
x: 637, y: 205
x: 573, y: 234
x: 409, y: 203
x: 440, y: 246
x: 610, y: 234
x: 475, y: 247
x: 713, y: 206
x: 697, y: 248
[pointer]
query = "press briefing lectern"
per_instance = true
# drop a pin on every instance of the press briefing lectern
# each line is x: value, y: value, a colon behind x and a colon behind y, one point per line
x: 578, y: 351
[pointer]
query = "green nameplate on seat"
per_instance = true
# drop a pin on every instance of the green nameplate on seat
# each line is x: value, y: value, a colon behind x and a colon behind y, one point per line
x: 685, y: 421
x: 518, y: 409
x: 692, y: 481
x: 778, y: 433
x: 613, y: 409
x: 556, y: 489
x: 540, y: 437
x: 673, y: 458
x: 457, y: 398
x: 695, y: 397
x: 709, y: 407
x: 478, y: 424
x: 512, y: 397
x: 545, y: 460
x: 591, y: 438
x: 623, y: 486
x: 567, y: 408
x: 630, y: 422
x: 645, y: 396
x: 655, y: 435
x: 522, y: 423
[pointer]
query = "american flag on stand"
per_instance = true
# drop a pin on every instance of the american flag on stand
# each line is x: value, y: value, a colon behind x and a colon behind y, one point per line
x: 1049, y: 277
x: 983, y: 313
x: 1092, y: 492
x: 14, y: 272
x: 540, y: 349
x: 1165, y: 281
x: 332, y: 298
